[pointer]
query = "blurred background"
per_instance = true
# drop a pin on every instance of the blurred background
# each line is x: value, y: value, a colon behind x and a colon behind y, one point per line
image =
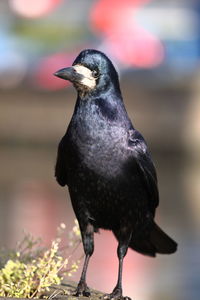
x: 155, y: 46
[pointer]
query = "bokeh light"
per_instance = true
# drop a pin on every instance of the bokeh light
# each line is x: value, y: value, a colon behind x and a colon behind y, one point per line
x: 33, y: 8
x: 109, y: 15
x: 123, y: 37
x: 43, y: 76
x: 139, y: 48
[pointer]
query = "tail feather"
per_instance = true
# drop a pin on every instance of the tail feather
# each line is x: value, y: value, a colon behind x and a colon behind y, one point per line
x: 158, y: 242
x: 163, y: 243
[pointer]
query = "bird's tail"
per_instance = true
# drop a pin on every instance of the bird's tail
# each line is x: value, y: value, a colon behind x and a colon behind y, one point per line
x: 158, y: 242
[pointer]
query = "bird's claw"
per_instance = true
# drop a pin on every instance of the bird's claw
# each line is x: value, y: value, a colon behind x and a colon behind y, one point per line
x: 82, y: 290
x: 115, y: 295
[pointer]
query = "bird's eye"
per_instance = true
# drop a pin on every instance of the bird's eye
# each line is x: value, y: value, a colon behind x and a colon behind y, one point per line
x: 95, y: 73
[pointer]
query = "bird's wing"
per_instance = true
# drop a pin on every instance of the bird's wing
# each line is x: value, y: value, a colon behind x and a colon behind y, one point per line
x: 60, y: 168
x: 146, y: 167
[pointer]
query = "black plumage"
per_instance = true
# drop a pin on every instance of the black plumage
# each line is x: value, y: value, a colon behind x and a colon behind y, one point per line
x: 107, y: 167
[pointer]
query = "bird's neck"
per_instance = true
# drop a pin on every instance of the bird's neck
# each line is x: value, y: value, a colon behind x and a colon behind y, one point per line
x: 106, y: 109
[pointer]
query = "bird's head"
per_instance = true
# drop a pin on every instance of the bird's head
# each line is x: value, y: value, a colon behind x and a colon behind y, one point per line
x: 91, y: 72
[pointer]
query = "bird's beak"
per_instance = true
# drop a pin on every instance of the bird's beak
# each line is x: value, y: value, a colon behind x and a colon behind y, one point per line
x: 69, y: 74
x: 79, y: 75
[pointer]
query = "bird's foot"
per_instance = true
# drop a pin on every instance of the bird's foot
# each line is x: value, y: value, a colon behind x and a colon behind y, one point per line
x: 82, y: 290
x: 116, y: 295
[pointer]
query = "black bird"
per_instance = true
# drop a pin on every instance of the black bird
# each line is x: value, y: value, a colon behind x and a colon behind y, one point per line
x: 107, y: 167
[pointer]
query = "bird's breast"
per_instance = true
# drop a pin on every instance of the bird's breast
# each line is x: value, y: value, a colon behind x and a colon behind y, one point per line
x: 101, y: 147
x: 99, y: 171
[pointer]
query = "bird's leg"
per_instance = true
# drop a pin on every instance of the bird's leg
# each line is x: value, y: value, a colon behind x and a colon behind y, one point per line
x: 121, y: 252
x: 88, y: 245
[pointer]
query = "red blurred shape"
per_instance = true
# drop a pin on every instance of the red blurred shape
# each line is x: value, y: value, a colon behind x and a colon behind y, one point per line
x: 33, y: 8
x: 108, y: 15
x: 48, y: 65
x: 123, y: 37
x: 139, y: 48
